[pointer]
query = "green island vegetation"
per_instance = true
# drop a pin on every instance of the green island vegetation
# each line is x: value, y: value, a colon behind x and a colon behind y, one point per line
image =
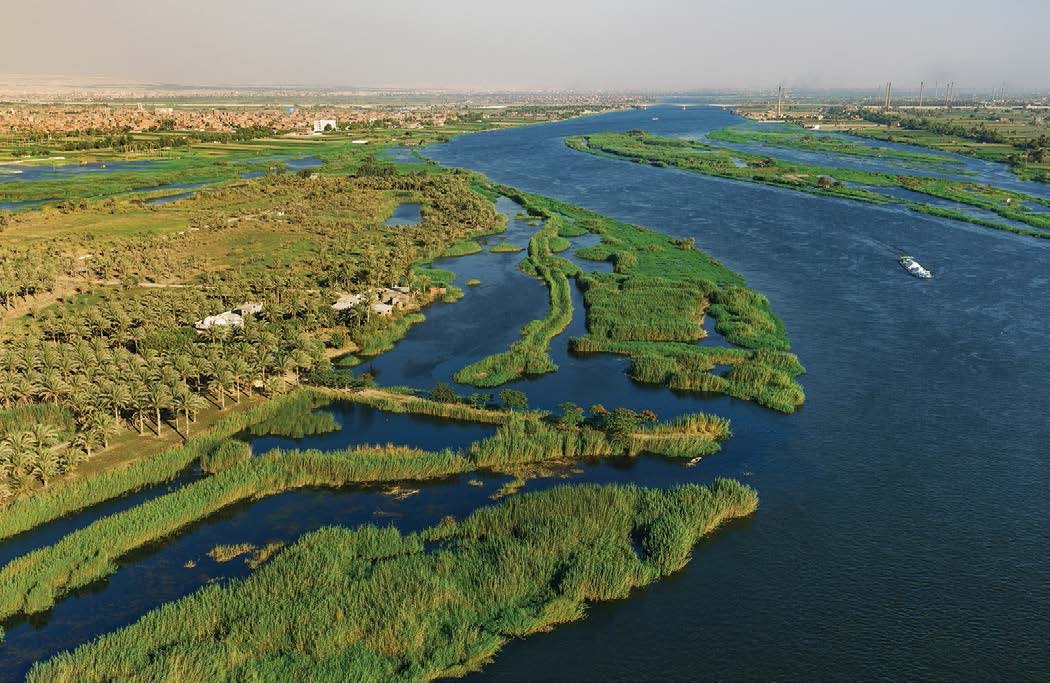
x: 463, y: 248
x: 32, y: 583
x: 504, y: 248
x: 298, y: 418
x: 390, y: 606
x: 700, y: 157
x: 140, y: 340
x: 793, y: 138
x: 1013, y: 135
x: 651, y: 309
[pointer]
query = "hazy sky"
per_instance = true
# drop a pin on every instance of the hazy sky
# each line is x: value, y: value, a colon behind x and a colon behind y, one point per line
x: 583, y: 44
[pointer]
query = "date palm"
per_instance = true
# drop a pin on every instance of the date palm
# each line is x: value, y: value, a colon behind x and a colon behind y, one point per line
x: 115, y: 395
x: 158, y: 398
x: 301, y: 360
x: 241, y: 373
x: 139, y: 402
x: 187, y: 402
x: 50, y: 387
x: 86, y: 440
x: 104, y: 425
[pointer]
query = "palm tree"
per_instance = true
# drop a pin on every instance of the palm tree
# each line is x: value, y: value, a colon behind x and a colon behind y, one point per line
x: 116, y: 396
x: 51, y: 387
x: 184, y: 365
x: 284, y: 365
x: 86, y: 439
x: 240, y: 371
x: 45, y: 466
x: 301, y: 360
x: 139, y: 402
x: 199, y: 403
x: 104, y: 426
x: 67, y: 362
x: 158, y: 398
x: 17, y: 451
x: 220, y: 384
x: 7, y: 389
x: 187, y: 401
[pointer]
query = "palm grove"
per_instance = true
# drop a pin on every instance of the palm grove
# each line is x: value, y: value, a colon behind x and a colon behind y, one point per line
x: 98, y: 332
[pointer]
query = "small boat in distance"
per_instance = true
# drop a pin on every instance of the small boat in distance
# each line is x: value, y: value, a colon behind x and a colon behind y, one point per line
x: 912, y: 266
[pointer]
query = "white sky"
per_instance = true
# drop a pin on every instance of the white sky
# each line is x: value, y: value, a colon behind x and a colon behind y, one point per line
x: 582, y: 44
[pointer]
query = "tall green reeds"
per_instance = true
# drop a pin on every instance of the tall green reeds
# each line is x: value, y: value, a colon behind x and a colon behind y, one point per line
x: 376, y: 605
x: 32, y: 583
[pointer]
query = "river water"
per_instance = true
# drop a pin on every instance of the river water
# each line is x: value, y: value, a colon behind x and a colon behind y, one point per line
x: 902, y: 530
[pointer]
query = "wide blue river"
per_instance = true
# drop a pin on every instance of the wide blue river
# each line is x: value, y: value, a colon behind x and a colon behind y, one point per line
x: 904, y: 529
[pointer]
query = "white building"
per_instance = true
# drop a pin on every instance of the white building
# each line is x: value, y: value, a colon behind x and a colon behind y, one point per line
x: 227, y: 319
x: 321, y: 124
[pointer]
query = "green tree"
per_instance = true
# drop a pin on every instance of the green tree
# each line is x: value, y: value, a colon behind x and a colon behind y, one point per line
x: 512, y: 399
x: 443, y: 393
x: 479, y: 399
x: 571, y: 414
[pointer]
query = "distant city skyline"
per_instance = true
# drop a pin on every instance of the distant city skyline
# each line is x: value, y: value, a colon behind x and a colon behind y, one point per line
x: 572, y: 44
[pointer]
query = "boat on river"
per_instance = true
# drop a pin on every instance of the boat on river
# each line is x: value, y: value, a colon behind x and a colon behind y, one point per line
x: 914, y: 268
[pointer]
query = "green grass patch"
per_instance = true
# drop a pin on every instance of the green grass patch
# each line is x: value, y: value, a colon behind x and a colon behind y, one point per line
x: 461, y: 248
x: 504, y: 248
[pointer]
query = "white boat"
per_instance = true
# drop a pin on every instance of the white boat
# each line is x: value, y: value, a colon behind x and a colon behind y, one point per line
x: 914, y: 268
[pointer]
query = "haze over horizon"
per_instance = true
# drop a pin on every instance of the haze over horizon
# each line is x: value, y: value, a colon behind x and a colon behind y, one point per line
x: 570, y: 44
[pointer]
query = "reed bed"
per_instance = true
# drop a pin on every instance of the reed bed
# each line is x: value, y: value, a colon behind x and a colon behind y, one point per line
x: 764, y: 376
x: 225, y: 455
x: 644, y: 308
x: 745, y: 318
x: 528, y: 439
x: 382, y: 606
x: 298, y: 418
x: 402, y: 403
x: 504, y: 248
x: 34, y: 582
x: 377, y: 337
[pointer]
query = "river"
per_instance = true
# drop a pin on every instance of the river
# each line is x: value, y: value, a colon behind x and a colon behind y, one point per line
x: 903, y: 530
